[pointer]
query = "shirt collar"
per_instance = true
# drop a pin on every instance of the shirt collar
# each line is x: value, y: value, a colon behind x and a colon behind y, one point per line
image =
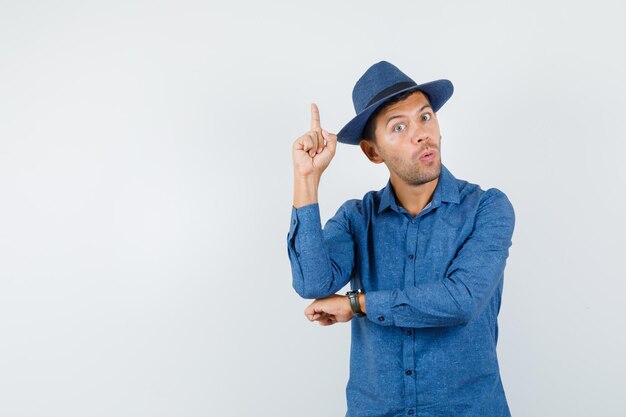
x: 447, y: 191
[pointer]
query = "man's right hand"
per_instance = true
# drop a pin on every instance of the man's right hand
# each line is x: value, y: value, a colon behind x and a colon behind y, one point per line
x: 313, y: 151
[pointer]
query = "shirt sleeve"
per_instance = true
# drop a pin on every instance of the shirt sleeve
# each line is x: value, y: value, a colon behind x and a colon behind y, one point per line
x: 322, y: 260
x: 467, y: 285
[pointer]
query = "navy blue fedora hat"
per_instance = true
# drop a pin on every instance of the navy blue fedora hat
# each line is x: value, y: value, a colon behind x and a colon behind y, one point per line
x: 380, y: 82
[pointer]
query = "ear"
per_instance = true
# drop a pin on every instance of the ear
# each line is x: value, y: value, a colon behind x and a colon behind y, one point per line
x: 371, y: 151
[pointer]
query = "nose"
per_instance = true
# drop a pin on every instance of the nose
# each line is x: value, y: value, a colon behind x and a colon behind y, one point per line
x: 419, y: 137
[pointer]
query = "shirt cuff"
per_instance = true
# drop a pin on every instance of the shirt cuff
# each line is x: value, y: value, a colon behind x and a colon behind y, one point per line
x: 306, y: 218
x: 378, y: 307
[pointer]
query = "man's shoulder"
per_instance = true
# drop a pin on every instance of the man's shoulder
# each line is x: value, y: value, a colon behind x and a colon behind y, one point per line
x: 355, y: 205
x: 473, y: 193
x: 361, y: 206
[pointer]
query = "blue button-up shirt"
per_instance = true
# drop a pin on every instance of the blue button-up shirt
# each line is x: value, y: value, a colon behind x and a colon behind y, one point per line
x: 433, y: 286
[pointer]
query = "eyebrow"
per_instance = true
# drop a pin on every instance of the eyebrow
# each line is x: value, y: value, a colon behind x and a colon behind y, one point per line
x: 402, y: 115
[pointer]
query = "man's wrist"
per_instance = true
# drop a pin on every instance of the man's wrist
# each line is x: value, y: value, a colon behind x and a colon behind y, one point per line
x: 305, y: 190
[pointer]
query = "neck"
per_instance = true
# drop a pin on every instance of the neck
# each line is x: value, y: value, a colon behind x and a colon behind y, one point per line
x: 413, y: 197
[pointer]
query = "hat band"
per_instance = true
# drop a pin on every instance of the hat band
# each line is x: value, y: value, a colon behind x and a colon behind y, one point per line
x: 390, y: 91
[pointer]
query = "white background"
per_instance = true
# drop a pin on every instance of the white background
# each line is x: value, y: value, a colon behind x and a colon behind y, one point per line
x: 146, y: 188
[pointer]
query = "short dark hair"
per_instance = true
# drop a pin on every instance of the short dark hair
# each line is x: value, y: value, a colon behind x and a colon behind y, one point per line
x: 370, y: 126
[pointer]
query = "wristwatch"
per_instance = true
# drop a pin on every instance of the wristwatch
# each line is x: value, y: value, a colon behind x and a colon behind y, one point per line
x: 353, y: 296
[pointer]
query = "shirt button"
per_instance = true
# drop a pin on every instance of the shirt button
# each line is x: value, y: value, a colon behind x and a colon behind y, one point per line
x: 411, y: 256
x: 381, y: 318
x: 298, y: 254
x: 413, y: 221
x: 408, y: 332
x: 294, y: 221
x: 410, y: 411
x: 408, y: 372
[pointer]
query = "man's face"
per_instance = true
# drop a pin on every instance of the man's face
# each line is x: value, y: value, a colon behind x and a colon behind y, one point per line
x: 407, y: 139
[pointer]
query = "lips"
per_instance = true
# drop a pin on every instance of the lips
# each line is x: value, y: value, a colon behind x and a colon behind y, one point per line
x: 427, y: 156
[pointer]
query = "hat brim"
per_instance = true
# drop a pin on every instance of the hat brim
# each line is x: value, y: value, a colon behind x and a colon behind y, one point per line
x: 438, y: 92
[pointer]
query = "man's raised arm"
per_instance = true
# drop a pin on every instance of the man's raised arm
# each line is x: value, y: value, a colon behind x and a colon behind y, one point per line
x: 321, y: 260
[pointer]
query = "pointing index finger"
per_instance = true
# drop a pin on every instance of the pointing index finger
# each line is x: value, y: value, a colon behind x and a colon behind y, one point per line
x: 315, y: 117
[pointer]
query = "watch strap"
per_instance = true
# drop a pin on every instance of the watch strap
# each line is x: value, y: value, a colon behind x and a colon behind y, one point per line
x: 353, y: 296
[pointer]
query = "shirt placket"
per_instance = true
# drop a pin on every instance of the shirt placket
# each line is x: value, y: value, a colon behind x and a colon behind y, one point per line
x: 409, y: 376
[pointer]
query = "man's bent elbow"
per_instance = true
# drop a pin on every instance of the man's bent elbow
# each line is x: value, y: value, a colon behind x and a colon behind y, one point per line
x: 465, y: 312
x: 312, y: 291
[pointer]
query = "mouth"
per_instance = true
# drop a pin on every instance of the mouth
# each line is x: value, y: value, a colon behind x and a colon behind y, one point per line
x: 427, y: 156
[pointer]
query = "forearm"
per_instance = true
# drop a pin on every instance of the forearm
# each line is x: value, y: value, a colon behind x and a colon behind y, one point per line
x: 428, y: 305
x: 305, y: 190
x: 450, y: 300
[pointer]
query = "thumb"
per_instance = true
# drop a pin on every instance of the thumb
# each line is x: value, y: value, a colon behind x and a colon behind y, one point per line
x: 331, y: 141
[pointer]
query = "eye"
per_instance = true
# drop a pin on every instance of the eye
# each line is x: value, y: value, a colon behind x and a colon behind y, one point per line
x: 426, y: 117
x: 399, y: 127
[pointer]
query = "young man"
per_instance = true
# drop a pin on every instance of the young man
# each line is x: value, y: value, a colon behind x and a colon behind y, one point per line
x: 425, y: 257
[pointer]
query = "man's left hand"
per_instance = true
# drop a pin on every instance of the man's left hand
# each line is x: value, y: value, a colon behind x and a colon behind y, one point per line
x: 330, y: 310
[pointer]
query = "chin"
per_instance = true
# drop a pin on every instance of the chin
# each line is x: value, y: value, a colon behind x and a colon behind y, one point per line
x: 430, y: 174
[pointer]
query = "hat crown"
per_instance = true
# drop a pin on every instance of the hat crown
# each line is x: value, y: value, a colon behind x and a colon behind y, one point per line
x: 378, y: 78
